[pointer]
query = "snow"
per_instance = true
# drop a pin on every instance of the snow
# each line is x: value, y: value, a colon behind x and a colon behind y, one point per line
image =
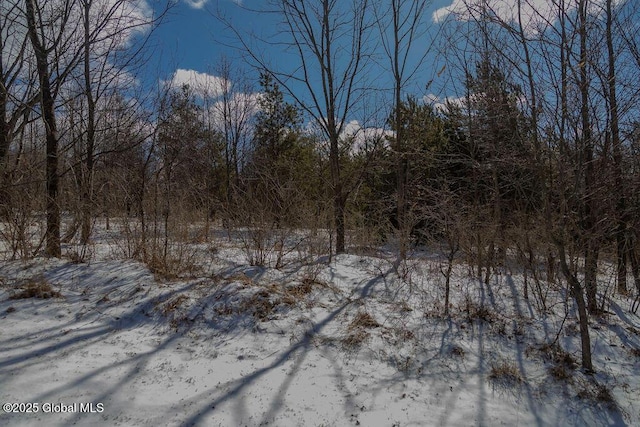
x: 313, y: 344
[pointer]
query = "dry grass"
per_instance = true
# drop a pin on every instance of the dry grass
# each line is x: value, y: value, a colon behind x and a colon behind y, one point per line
x: 302, y: 289
x: 354, y: 339
x: 457, y: 351
x: 561, y: 373
x: 597, y: 393
x: 473, y: 311
x: 505, y: 374
x: 261, y: 305
x: 357, y: 330
x: 563, y: 364
x: 36, y: 288
x: 179, y: 264
x: 363, y: 320
x: 397, y: 336
x: 265, y: 300
x: 172, y: 305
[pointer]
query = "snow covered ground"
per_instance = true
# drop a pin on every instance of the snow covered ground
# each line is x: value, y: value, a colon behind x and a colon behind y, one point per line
x: 310, y: 344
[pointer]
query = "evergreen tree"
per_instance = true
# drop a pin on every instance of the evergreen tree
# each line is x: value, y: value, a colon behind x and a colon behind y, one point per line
x: 283, y: 164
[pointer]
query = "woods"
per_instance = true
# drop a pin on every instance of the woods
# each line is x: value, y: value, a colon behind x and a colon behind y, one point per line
x: 528, y: 161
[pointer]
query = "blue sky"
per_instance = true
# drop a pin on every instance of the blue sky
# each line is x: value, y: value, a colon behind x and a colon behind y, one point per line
x: 188, y: 36
x: 192, y: 40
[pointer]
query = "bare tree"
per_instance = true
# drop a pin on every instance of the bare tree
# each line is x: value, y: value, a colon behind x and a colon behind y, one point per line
x: 621, y: 205
x: 49, y: 26
x: 402, y: 25
x: 107, y: 61
x: 17, y: 94
x: 232, y: 115
x: 85, y: 40
x: 329, y: 40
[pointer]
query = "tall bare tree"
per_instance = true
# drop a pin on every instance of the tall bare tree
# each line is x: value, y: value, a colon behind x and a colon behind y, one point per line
x: 49, y: 26
x: 616, y: 144
x: 403, y: 35
x: 329, y: 40
x: 16, y: 76
x: 232, y: 113
x: 108, y: 58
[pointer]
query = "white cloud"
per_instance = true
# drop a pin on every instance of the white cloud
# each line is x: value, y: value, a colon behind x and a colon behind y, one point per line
x: 200, y: 4
x: 202, y: 84
x: 237, y: 110
x: 225, y: 107
x: 536, y: 14
x: 363, y: 138
x: 441, y: 104
x: 196, y: 4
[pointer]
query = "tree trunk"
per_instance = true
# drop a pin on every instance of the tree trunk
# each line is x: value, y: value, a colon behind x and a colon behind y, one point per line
x: 87, y: 181
x: 621, y: 205
x: 576, y: 290
x: 338, y: 197
x: 589, y: 227
x: 52, y: 233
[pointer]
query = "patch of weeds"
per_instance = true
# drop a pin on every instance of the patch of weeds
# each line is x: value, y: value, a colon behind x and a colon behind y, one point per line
x: 403, y: 334
x: 356, y: 331
x: 324, y: 340
x: 475, y: 311
x: 402, y: 363
x: 457, y: 351
x: 597, y: 393
x: 397, y: 336
x: 505, y: 374
x: 287, y: 296
x: 287, y: 300
x: 172, y: 305
x: 563, y: 357
x: 635, y: 352
x: 311, y: 278
x: 355, y: 338
x: 404, y: 307
x: 179, y: 262
x: 171, y: 309
x: 80, y: 256
x: 434, y: 312
x: 363, y: 320
x: 223, y: 310
x: 301, y: 289
x: 633, y: 330
x: 561, y: 373
x: 262, y: 301
x: 483, y: 313
x: 519, y: 330
x: 176, y: 322
x: 36, y: 288
x: 563, y: 364
x: 261, y: 305
x: 240, y: 277
x: 500, y: 327
x: 363, y: 250
x: 571, y: 329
